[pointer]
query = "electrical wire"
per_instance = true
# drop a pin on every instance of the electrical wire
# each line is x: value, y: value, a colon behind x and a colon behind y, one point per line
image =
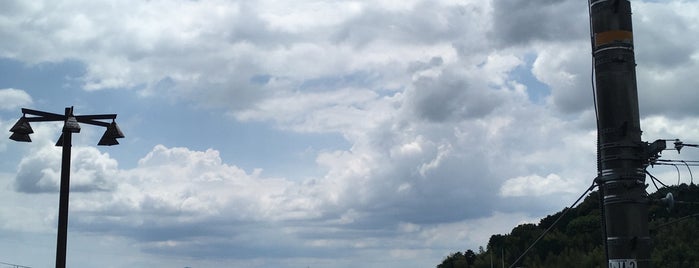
x: 675, y: 221
x: 592, y: 64
x: 593, y: 86
x: 565, y: 211
x: 674, y: 165
x: 686, y: 163
x: 690, y: 162
x: 654, y: 179
x: 14, y: 265
x: 691, y: 177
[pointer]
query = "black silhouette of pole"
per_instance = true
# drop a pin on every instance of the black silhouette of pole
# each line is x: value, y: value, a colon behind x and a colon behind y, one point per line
x: 622, y: 156
x: 21, y: 131
x: 62, y: 239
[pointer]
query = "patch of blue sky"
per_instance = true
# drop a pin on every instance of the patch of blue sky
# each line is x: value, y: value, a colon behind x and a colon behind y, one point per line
x: 49, y: 82
x: 248, y: 145
x: 149, y: 121
x: 260, y: 79
x: 536, y: 90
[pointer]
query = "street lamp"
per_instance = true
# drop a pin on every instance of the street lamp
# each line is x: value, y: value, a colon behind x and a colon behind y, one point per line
x: 22, y: 129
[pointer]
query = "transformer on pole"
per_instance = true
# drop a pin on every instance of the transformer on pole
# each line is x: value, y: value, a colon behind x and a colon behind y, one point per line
x: 622, y: 156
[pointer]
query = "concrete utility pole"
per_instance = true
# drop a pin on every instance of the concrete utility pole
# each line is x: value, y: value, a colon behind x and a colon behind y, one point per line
x: 622, y: 156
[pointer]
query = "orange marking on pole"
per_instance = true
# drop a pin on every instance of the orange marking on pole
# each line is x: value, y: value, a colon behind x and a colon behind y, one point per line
x: 613, y: 36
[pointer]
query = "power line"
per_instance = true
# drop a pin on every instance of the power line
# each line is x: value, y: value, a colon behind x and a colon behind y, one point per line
x: 565, y: 211
x: 693, y: 163
x: 653, y: 179
x: 14, y: 265
x: 674, y: 163
x: 675, y: 221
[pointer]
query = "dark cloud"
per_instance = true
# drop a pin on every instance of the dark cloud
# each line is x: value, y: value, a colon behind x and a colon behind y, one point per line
x: 518, y: 22
x: 426, y: 22
x: 449, y: 97
x: 421, y: 66
x: 34, y: 176
x: 666, y: 59
x: 662, y: 36
x: 439, y: 196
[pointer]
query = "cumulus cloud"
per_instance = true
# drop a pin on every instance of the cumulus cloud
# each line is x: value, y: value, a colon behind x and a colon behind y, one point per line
x: 178, y: 200
x: 451, y: 95
x: 521, y: 21
x: 535, y: 185
x: 11, y: 99
x: 665, y: 58
x: 442, y: 136
x: 565, y: 69
x: 91, y: 170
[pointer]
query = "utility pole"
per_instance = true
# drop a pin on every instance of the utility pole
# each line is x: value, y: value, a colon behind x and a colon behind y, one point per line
x: 622, y: 156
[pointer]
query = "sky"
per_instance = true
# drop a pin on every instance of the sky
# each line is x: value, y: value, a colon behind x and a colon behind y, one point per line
x: 315, y: 133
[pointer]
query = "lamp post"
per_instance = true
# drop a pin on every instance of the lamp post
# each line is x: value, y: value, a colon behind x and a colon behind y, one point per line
x: 22, y: 129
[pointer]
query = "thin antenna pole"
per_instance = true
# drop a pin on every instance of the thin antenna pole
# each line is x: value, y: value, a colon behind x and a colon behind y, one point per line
x: 503, y: 257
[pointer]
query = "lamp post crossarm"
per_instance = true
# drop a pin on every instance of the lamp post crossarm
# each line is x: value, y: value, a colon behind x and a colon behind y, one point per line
x: 45, y: 119
x: 95, y: 116
x: 41, y: 113
x: 92, y: 122
x: 48, y: 117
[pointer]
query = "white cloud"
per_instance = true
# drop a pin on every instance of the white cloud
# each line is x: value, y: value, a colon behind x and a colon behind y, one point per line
x: 11, y: 99
x: 91, y: 170
x: 442, y: 136
x: 665, y: 58
x: 535, y: 185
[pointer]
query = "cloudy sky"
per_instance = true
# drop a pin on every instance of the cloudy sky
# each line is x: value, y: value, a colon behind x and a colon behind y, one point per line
x: 319, y: 133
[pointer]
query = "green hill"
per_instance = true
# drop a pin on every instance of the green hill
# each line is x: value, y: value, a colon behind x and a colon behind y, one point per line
x: 577, y: 239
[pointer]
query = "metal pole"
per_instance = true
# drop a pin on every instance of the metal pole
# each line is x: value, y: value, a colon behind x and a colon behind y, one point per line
x: 621, y: 152
x: 503, y: 257
x: 62, y: 239
x: 21, y: 131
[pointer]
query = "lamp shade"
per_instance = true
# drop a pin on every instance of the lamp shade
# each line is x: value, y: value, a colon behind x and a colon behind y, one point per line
x: 114, y: 131
x: 20, y: 137
x: 22, y: 126
x: 110, y: 135
x: 59, y: 143
x: 21, y: 130
x: 106, y: 141
x: 71, y: 125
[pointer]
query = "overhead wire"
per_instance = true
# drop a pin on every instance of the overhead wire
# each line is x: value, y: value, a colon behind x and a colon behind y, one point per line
x: 592, y: 65
x: 14, y: 265
x: 690, y: 162
x: 675, y: 221
x: 654, y: 179
x: 691, y: 177
x: 674, y: 165
x: 563, y: 213
x: 593, y: 86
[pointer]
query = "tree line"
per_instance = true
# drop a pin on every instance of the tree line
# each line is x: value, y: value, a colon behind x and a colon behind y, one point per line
x: 577, y: 239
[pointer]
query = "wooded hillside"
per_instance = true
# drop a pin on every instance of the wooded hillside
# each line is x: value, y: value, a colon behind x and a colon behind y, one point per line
x: 577, y: 239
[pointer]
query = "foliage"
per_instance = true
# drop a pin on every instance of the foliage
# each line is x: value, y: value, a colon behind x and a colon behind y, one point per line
x: 577, y: 239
